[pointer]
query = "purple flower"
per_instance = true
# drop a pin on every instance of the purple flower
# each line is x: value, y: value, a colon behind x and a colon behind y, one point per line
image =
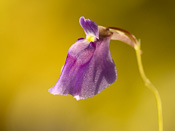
x: 89, y: 67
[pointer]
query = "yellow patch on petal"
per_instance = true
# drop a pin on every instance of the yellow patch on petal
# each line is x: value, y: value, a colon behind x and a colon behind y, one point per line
x: 90, y: 38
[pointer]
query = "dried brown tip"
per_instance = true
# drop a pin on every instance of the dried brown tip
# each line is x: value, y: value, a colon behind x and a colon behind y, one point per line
x: 126, y: 32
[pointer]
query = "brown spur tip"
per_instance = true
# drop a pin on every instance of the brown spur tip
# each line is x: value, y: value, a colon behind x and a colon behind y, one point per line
x: 129, y: 34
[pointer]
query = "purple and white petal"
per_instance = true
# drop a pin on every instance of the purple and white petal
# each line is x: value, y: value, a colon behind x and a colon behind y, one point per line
x: 101, y: 71
x: 73, y: 71
x: 88, y: 70
x: 90, y: 27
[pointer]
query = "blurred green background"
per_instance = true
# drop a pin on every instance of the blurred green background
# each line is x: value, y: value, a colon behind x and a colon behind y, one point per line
x: 35, y: 36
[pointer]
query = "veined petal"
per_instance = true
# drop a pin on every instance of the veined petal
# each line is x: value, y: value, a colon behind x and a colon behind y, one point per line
x: 90, y: 27
x: 71, y: 77
x: 101, y: 72
x: 88, y: 70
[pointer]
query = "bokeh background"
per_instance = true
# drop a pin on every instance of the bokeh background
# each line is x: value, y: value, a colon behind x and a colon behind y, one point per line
x: 35, y: 36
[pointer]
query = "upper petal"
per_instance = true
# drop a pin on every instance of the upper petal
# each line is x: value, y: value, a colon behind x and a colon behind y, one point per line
x: 90, y: 27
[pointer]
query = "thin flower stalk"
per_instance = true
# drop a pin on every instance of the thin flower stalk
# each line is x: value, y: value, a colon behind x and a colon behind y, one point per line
x: 150, y: 86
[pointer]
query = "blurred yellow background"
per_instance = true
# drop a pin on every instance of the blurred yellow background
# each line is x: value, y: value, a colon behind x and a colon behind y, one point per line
x: 35, y: 36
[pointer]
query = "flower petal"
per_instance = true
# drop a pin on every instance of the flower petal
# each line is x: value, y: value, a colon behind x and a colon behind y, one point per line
x: 77, y: 60
x: 88, y: 70
x: 101, y: 72
x: 90, y: 27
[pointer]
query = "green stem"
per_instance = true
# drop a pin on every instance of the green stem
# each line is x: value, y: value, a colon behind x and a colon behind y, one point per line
x: 150, y: 86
